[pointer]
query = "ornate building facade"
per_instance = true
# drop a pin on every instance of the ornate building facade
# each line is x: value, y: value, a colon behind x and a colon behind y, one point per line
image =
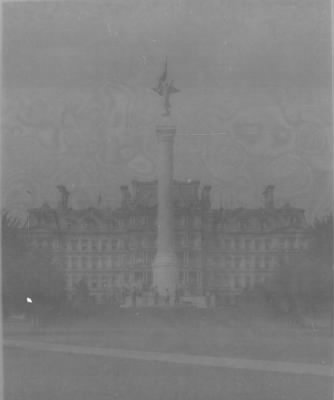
x: 228, y: 251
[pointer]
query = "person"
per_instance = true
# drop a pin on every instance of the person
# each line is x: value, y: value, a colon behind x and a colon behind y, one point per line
x: 208, y: 299
x: 177, y: 296
x: 156, y: 296
x: 167, y: 297
x: 213, y: 298
x: 134, y: 297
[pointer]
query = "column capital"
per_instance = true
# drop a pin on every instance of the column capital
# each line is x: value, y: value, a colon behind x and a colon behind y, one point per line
x: 165, y: 132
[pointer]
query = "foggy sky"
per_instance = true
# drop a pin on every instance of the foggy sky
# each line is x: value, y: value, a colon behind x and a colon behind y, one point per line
x: 254, y: 106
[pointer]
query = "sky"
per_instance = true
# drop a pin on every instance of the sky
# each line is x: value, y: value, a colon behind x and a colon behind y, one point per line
x: 254, y: 106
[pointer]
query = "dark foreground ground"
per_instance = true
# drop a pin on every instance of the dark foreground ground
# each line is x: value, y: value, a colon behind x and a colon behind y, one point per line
x: 36, y: 374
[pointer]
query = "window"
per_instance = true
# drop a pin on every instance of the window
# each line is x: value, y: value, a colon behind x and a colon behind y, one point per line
x: 74, y: 245
x: 104, y: 245
x: 197, y: 242
x: 103, y: 262
x: 291, y: 243
x: 132, y: 243
x: 95, y: 263
x: 185, y: 258
x: 105, y: 282
x: 267, y: 244
x: 138, y: 276
x: 148, y: 277
x: 84, y: 262
x: 267, y: 262
x: 132, y: 259
x: 257, y: 244
x: 117, y: 261
x: 84, y: 244
x: 124, y: 260
x: 75, y: 262
x: 94, y: 245
x: 237, y: 262
x: 197, y: 222
x: 183, y: 241
x: 193, y: 275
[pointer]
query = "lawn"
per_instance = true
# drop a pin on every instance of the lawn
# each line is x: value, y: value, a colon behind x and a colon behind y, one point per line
x: 198, y: 332
x: 37, y: 375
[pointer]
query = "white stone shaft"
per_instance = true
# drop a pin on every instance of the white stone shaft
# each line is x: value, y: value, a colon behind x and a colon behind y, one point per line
x: 165, y: 270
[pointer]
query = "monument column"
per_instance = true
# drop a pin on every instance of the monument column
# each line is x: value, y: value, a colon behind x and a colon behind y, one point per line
x: 165, y: 271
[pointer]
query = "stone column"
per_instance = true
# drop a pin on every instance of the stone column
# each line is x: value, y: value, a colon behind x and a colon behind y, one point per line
x: 165, y: 270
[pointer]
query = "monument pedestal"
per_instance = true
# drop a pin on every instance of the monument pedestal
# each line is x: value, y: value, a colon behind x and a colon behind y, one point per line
x: 165, y: 275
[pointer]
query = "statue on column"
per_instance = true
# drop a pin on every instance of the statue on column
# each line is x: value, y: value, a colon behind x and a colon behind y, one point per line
x: 165, y: 89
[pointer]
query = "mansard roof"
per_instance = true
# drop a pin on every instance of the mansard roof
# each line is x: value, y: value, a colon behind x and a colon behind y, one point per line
x: 143, y: 202
x: 259, y: 219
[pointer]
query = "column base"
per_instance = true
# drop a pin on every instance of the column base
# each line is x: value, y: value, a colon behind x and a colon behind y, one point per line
x: 165, y: 275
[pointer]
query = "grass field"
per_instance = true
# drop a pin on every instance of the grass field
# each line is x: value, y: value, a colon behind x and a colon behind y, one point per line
x: 34, y: 375
x: 189, y: 332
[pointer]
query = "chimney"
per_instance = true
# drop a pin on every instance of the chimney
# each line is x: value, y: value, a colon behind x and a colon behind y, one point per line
x: 64, y: 197
x: 268, y: 194
x: 126, y: 196
x: 205, y: 198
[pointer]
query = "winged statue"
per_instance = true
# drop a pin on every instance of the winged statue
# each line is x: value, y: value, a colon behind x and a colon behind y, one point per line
x: 165, y: 88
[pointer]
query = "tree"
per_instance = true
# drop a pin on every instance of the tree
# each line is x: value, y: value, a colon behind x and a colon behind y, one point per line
x: 289, y: 284
x: 82, y: 298
x: 44, y: 280
x: 13, y: 257
x: 303, y: 282
x: 27, y: 271
x: 321, y: 255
